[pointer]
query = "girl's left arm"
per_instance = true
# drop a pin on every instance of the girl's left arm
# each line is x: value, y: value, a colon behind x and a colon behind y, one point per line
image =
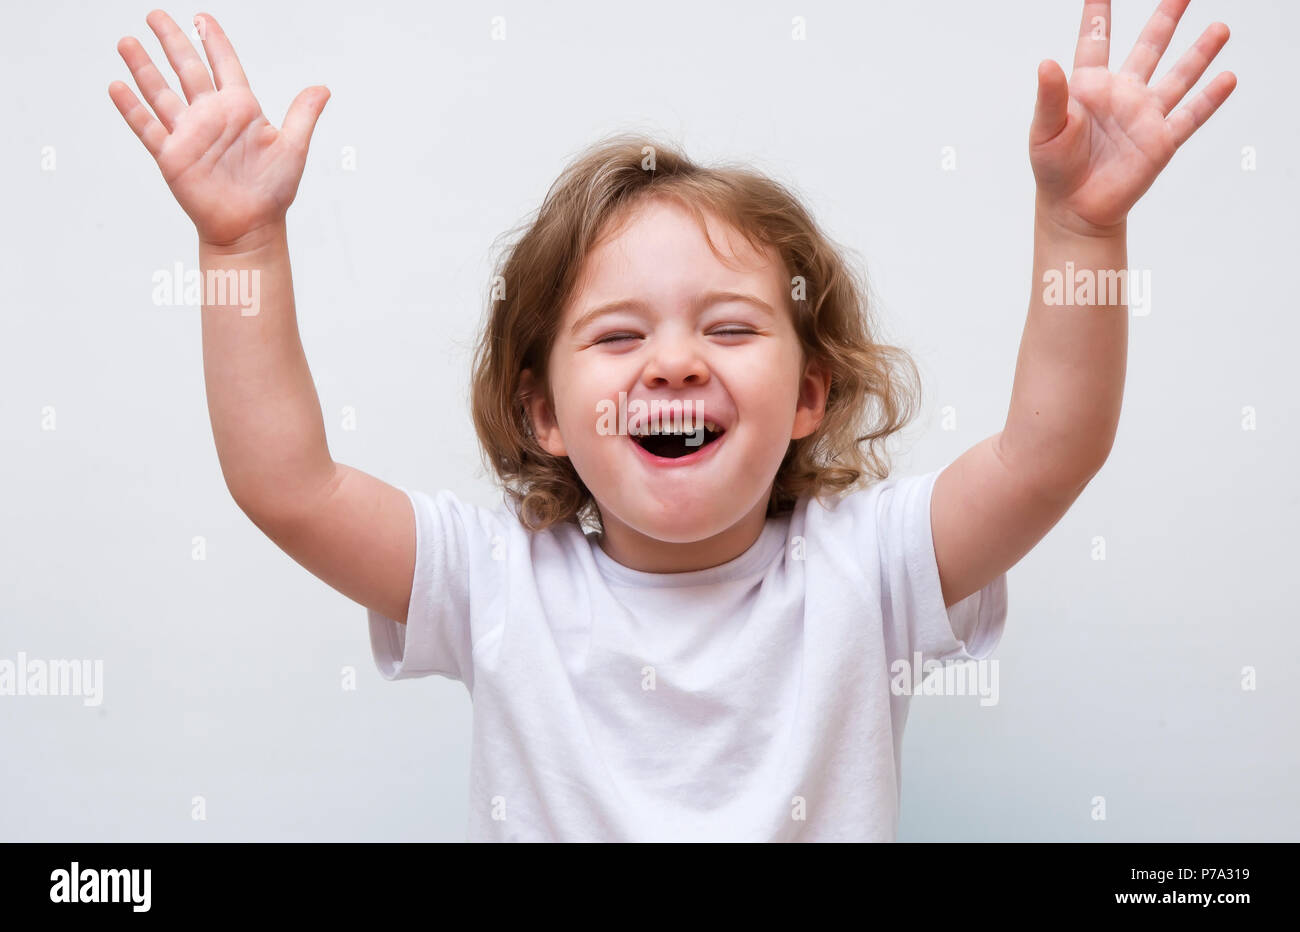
x: 1096, y: 144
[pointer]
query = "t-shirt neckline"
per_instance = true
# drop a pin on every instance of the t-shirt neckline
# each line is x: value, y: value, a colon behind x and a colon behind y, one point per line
x: 759, y: 555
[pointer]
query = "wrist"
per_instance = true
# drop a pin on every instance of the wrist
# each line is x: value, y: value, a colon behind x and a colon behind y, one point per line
x: 255, y: 240
x: 1059, y: 221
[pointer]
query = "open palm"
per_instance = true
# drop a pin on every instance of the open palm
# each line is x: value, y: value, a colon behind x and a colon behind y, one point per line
x: 231, y: 171
x: 1098, y: 141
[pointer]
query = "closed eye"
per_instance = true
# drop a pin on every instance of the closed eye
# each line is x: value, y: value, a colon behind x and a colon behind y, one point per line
x: 620, y: 337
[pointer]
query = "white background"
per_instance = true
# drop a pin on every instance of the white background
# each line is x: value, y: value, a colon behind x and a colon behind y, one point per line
x: 1118, y: 678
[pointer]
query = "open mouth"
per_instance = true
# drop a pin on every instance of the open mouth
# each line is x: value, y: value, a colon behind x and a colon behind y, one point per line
x: 673, y: 445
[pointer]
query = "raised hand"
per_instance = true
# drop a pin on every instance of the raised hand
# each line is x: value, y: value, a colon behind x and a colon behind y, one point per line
x: 1098, y: 141
x: 231, y: 171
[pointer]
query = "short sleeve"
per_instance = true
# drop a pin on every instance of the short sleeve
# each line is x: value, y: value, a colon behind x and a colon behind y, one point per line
x: 456, y: 555
x: 969, y: 629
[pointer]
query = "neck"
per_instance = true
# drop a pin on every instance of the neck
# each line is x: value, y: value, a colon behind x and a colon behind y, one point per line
x: 638, y: 551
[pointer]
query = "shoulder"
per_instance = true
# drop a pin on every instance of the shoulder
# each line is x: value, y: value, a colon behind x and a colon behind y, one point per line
x: 874, y: 518
x: 470, y: 522
x: 448, y: 506
x: 879, y: 500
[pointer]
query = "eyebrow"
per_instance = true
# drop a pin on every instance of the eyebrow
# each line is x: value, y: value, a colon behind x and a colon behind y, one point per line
x: 705, y: 300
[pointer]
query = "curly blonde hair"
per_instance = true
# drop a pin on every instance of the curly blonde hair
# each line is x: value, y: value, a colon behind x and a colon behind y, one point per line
x: 874, y: 388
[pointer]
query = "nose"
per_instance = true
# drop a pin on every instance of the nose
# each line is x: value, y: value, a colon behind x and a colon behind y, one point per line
x: 674, y: 360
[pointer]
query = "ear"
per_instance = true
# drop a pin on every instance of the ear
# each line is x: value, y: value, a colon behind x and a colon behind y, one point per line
x: 814, y: 388
x: 540, y: 415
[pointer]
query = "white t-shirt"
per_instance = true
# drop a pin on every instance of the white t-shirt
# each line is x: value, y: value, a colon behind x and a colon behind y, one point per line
x: 746, y: 702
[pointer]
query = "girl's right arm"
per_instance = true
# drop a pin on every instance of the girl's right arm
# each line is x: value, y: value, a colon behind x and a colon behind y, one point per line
x: 235, y: 175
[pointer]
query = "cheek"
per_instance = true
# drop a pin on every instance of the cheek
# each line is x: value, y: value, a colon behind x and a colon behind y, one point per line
x: 585, y: 412
x: 575, y: 399
x: 771, y: 397
x: 771, y: 377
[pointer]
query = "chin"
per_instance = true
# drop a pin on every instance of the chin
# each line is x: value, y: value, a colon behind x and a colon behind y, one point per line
x: 684, y: 527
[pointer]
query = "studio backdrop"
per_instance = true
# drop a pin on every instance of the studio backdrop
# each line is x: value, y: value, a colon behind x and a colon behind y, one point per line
x: 1147, y: 679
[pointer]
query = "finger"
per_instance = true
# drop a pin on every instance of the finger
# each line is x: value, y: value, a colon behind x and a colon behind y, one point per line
x: 1188, y: 118
x: 300, y: 121
x: 225, y: 64
x: 1153, y: 41
x: 185, y: 61
x: 1093, y: 49
x: 1175, y: 85
x: 165, y: 102
x: 1051, y: 111
x: 152, y: 133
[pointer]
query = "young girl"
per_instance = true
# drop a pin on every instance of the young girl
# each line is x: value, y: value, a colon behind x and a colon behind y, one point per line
x: 686, y: 622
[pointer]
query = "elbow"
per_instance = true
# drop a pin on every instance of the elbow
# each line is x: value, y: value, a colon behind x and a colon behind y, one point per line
x: 1058, y: 470
x: 261, y: 509
x: 256, y: 501
x: 276, y: 509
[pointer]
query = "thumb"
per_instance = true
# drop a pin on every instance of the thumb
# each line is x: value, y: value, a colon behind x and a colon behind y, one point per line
x: 300, y: 121
x: 1052, y: 108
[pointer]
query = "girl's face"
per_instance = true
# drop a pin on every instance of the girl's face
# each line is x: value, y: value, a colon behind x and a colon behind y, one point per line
x: 656, y: 318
